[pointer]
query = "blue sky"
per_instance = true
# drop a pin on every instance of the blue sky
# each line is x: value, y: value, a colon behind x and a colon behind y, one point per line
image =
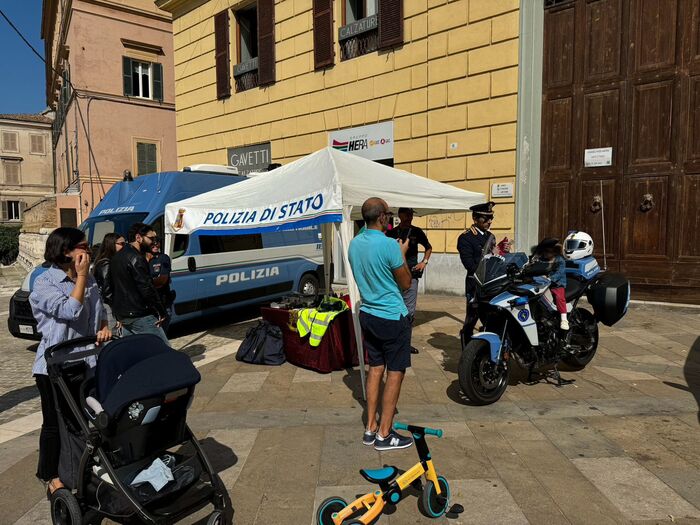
x: 23, y: 90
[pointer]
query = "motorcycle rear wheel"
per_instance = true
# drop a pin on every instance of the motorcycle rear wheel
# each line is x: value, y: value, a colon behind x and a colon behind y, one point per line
x: 585, y: 330
x: 481, y: 380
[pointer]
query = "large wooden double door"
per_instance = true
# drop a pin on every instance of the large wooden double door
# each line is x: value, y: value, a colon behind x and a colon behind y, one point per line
x: 625, y: 74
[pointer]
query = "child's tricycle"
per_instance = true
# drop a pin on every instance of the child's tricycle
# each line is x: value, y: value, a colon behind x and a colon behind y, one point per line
x: 392, y: 483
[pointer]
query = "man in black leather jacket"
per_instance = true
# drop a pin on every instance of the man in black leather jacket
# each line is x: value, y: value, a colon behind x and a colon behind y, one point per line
x: 136, y: 303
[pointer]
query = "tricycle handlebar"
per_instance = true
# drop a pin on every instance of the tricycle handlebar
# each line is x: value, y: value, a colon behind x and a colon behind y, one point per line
x: 420, y: 430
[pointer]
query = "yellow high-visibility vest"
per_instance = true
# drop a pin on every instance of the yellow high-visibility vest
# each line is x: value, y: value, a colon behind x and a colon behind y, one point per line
x: 314, y: 323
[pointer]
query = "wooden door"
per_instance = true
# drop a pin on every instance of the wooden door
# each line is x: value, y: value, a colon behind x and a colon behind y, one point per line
x: 625, y: 74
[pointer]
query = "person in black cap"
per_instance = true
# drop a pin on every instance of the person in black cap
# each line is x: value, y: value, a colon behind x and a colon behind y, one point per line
x: 470, y: 246
x: 406, y: 231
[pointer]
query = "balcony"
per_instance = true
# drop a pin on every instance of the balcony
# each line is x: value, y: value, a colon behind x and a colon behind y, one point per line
x: 358, y: 38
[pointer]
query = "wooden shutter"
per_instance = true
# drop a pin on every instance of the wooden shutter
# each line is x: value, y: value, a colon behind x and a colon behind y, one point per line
x: 146, y: 158
x: 5, y: 215
x: 157, y: 82
x: 323, y: 34
x: 390, y: 16
x: 222, y: 53
x: 266, y: 42
x: 22, y: 207
x: 9, y: 141
x: 37, y: 144
x: 126, y: 71
x: 11, y: 172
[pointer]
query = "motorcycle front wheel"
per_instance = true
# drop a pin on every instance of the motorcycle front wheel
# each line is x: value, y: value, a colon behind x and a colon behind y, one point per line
x: 584, y: 335
x: 482, y: 381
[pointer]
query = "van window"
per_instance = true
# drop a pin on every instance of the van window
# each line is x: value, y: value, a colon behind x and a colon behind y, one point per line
x: 97, y: 227
x: 180, y: 245
x: 209, y: 244
x: 158, y: 226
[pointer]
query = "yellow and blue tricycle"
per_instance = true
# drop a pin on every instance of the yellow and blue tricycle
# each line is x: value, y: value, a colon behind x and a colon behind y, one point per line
x: 435, y: 496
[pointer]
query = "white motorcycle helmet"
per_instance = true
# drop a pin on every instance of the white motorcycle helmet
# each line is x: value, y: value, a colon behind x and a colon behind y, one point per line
x: 578, y: 245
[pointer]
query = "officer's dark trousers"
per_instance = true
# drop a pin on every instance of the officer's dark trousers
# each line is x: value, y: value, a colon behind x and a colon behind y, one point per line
x: 470, y: 319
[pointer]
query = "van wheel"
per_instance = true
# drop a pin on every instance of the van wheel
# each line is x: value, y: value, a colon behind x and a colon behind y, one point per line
x: 309, y: 285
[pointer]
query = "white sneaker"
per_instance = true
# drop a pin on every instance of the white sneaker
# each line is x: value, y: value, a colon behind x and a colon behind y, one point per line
x: 564, y: 325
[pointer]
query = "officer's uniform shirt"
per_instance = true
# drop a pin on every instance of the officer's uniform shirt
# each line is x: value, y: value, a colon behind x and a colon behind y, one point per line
x: 470, y: 246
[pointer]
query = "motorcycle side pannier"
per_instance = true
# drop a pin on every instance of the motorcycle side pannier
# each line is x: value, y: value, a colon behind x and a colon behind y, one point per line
x: 609, y: 297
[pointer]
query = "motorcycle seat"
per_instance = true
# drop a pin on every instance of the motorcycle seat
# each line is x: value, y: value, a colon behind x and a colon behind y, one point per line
x: 380, y: 475
x: 574, y: 288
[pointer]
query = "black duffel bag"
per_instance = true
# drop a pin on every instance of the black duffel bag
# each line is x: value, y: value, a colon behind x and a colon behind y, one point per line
x: 262, y: 345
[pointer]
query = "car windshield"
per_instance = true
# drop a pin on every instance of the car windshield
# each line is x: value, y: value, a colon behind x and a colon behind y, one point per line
x: 96, y: 228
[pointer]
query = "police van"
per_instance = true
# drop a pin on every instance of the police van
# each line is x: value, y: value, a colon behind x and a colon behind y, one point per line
x: 210, y: 273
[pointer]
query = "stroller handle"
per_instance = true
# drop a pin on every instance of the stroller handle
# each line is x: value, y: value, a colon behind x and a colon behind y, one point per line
x: 72, y: 343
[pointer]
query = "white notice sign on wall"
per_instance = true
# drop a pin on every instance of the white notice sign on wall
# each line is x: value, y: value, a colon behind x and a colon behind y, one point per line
x: 502, y: 190
x: 597, y: 157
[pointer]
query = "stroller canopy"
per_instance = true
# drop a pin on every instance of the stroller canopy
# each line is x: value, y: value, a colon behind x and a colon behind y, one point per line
x: 140, y: 367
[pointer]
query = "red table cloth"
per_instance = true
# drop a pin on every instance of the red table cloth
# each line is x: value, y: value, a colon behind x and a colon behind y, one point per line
x: 337, y: 350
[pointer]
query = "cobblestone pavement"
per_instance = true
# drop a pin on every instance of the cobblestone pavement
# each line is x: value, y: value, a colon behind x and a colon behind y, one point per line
x: 620, y: 445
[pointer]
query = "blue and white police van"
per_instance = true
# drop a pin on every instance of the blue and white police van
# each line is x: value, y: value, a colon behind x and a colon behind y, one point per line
x: 210, y: 273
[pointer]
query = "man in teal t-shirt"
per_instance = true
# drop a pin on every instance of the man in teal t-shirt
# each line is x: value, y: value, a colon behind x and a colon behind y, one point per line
x: 379, y: 266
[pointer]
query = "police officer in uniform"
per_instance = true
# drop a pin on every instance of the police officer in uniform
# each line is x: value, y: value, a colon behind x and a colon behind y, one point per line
x: 470, y: 246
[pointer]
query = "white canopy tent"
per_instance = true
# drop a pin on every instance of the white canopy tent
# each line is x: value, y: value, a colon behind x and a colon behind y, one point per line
x: 327, y: 188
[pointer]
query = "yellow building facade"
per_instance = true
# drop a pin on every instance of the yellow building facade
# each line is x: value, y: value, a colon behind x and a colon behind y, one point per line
x: 450, y: 91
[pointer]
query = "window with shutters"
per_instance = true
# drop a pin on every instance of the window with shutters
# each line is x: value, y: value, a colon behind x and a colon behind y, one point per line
x: 142, y: 79
x: 11, y: 171
x: 369, y: 25
x: 359, y: 34
x: 146, y: 158
x: 37, y: 144
x: 245, y: 72
x: 10, y: 141
x: 12, y: 210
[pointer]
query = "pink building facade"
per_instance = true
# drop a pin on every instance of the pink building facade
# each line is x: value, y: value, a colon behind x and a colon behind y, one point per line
x: 117, y: 113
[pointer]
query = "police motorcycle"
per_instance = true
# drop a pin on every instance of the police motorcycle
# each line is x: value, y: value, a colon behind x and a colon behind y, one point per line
x: 521, y: 321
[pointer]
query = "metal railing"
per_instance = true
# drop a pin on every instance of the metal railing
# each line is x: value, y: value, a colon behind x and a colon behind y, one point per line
x: 359, y: 38
x: 245, y: 75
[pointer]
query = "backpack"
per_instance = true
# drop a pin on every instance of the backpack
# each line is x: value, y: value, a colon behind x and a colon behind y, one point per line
x: 262, y: 345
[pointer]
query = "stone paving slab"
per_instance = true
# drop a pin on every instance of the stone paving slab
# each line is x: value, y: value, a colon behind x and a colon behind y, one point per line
x: 282, y: 438
x: 635, y: 491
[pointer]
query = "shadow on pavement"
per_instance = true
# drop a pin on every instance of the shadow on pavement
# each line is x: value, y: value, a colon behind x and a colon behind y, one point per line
x: 691, y: 372
x: 451, y: 347
x: 212, y: 322
x: 13, y: 398
x: 221, y: 458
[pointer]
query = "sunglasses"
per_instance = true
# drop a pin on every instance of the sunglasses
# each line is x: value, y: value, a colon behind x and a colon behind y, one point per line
x: 82, y: 246
x: 120, y: 243
x: 154, y: 238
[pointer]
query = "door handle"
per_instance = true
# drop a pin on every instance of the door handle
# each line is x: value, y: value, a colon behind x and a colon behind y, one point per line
x: 597, y: 204
x: 647, y: 203
x: 192, y: 264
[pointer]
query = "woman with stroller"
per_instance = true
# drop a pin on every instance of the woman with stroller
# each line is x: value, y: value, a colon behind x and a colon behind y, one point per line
x: 66, y: 303
x: 111, y: 244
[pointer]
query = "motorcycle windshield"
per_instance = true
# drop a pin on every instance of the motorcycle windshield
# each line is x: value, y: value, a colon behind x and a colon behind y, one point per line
x: 491, y: 266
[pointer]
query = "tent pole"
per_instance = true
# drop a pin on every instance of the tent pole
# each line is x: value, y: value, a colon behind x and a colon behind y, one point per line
x: 327, y: 240
x: 344, y: 230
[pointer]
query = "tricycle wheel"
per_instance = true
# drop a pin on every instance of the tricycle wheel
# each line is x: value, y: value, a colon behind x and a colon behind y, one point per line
x: 433, y: 504
x: 65, y: 509
x: 328, y: 507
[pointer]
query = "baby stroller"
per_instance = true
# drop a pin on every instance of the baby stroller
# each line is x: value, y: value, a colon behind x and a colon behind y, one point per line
x: 120, y: 423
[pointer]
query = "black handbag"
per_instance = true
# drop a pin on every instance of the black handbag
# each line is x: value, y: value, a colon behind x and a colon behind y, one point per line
x: 262, y: 345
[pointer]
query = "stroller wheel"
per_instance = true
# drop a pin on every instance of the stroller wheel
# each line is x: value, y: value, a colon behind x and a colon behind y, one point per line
x: 65, y: 509
x: 216, y: 518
